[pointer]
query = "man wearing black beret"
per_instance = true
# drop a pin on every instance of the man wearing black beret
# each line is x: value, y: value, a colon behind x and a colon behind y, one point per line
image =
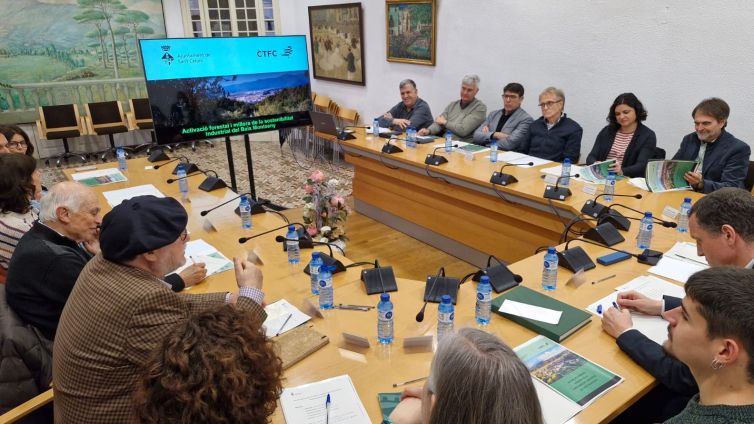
x: 121, y: 309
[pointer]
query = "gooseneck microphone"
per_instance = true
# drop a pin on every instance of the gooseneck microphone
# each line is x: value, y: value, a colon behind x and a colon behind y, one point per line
x: 172, y: 180
x: 503, y: 179
x: 420, y: 315
x: 205, y: 212
x: 610, y: 217
x: 641, y: 257
x: 666, y: 224
x: 245, y: 239
x: 435, y: 159
x: 282, y: 239
x: 596, y: 210
x: 190, y: 167
x: 181, y: 158
x: 557, y: 192
x: 390, y: 148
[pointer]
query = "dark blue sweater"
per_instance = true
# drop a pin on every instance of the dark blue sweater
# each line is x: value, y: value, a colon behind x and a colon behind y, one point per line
x: 559, y: 142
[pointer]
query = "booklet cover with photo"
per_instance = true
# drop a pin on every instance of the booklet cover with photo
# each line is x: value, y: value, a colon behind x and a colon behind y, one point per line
x: 667, y: 175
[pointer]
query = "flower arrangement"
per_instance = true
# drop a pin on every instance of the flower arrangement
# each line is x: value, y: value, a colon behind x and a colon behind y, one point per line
x: 325, y: 211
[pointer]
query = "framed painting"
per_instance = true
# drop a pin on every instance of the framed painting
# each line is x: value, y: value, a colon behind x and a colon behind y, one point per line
x: 411, y: 31
x: 336, y: 34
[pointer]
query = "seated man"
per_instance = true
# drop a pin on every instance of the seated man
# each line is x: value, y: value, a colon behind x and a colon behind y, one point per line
x: 509, y: 125
x: 554, y: 136
x: 410, y: 112
x: 713, y: 333
x: 722, y: 223
x: 50, y: 256
x: 3, y: 144
x: 723, y: 159
x: 463, y: 116
x: 121, y: 309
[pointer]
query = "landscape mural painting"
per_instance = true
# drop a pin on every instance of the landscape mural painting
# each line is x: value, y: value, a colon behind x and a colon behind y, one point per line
x: 411, y: 31
x: 72, y: 51
x: 336, y: 35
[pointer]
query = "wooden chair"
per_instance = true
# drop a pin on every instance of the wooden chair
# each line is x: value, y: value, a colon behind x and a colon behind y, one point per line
x: 25, y: 409
x: 61, y: 122
x: 139, y: 117
x: 347, y: 117
x: 322, y: 103
x: 106, y: 118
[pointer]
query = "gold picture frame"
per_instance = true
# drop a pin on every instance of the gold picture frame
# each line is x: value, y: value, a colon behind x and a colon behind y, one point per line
x: 411, y: 31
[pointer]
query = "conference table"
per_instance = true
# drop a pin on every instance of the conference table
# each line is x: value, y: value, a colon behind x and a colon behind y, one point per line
x: 375, y: 369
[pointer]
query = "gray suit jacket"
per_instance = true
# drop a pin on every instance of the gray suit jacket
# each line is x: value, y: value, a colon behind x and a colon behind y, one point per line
x: 517, y: 128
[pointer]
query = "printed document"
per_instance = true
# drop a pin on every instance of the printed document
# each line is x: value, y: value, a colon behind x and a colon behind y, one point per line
x: 306, y: 404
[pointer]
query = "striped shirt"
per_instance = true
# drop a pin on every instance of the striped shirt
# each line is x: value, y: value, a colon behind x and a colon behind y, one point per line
x: 12, y: 227
x: 620, y: 144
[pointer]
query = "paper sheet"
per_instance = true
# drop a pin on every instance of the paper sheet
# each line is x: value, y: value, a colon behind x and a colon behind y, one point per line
x: 306, y: 404
x: 116, y: 197
x: 640, y: 183
x: 653, y: 287
x: 515, y: 157
x: 556, y: 408
x: 536, y: 313
x: 676, y: 269
x: 99, y: 177
x: 277, y: 314
x: 199, y: 251
x: 686, y: 251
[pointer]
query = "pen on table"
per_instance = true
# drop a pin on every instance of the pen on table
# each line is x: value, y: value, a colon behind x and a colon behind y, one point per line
x: 403, y: 383
x: 599, y: 309
x: 354, y: 307
x: 283, y: 326
x: 603, y: 279
x: 327, y: 409
x: 691, y: 259
x: 616, y: 306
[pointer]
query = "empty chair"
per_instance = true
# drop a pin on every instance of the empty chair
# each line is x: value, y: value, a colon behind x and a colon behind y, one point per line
x: 61, y: 122
x: 140, y: 118
x: 749, y: 181
x: 106, y: 118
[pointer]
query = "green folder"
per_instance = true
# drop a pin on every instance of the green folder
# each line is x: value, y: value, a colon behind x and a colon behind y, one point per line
x: 388, y: 402
x: 571, y: 320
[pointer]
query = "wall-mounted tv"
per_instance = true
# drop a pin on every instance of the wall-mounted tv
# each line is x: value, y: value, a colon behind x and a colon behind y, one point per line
x: 215, y: 87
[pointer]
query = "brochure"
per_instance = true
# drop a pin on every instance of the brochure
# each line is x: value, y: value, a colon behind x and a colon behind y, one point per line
x: 99, y: 177
x: 597, y: 172
x: 667, y: 175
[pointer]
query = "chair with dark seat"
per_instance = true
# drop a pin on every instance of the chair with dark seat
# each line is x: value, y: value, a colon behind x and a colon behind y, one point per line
x: 106, y: 118
x: 749, y: 180
x: 61, y: 122
x: 140, y: 118
x: 659, y: 154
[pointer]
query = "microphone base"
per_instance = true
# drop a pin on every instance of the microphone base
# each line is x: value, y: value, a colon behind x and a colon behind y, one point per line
x: 501, y: 278
x: 342, y: 135
x: 304, y: 240
x: 605, y: 234
x: 593, y: 209
x: 616, y: 219
x: 157, y: 155
x: 442, y: 286
x: 190, y: 167
x: 435, y: 160
x: 391, y: 148
x: 502, y: 179
x: 255, y: 210
x: 649, y: 257
x: 557, y: 193
x: 379, y: 280
x: 212, y: 183
x: 328, y: 260
x: 575, y: 259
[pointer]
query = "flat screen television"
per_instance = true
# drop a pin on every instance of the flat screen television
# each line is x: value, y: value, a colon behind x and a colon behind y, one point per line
x: 203, y: 88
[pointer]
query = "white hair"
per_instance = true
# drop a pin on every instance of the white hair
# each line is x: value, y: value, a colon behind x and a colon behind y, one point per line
x: 67, y: 194
x: 471, y: 79
x: 406, y: 82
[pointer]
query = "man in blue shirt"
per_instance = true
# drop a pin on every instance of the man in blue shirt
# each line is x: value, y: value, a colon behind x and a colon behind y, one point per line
x: 410, y: 112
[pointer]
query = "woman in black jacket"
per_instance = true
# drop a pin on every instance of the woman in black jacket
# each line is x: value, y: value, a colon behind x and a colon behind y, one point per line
x: 625, y: 138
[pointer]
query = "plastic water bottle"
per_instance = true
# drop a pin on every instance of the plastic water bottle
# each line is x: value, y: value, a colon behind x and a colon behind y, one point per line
x: 376, y: 127
x: 182, y: 181
x: 291, y: 244
x: 411, y: 137
x: 683, y: 216
x: 121, y: 154
x: 565, y: 173
x: 245, y: 209
x: 314, y: 266
x: 609, y: 187
x: 483, y: 301
x: 385, y: 319
x: 645, y: 231
x: 493, y: 150
x: 325, y: 286
x: 445, y: 317
x: 448, y: 141
x: 550, y: 270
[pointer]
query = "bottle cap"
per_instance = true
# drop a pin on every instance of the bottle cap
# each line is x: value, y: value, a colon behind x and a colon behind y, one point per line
x: 485, y: 279
x: 316, y: 255
x: 567, y: 161
x: 647, y: 214
x: 291, y: 228
x: 244, y: 198
x: 687, y: 199
x: 385, y: 297
x: 611, y: 173
x: 446, y: 298
x: 551, y: 250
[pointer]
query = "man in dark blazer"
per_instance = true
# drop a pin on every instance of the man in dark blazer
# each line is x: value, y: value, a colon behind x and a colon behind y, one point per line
x: 722, y: 223
x: 724, y: 159
x: 121, y: 308
x: 509, y: 125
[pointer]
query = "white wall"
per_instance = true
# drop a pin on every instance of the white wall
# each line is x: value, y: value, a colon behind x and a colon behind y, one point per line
x: 670, y: 53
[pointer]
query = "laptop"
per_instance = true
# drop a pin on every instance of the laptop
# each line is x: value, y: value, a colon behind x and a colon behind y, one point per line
x: 325, y: 123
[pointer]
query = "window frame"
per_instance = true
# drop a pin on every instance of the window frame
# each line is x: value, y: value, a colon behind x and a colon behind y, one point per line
x: 188, y: 28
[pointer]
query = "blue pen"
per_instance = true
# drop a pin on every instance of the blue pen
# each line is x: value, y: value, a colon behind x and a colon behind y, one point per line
x: 616, y: 306
x: 327, y: 409
x: 599, y: 309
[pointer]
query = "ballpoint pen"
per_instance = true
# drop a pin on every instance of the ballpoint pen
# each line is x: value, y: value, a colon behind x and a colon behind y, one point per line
x: 327, y: 409
x: 603, y: 279
x: 403, y: 383
x: 616, y: 306
x: 690, y: 259
x: 599, y: 309
x: 354, y: 307
x: 283, y: 326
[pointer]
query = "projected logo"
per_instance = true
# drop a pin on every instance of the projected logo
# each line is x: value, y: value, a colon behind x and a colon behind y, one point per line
x: 287, y: 52
x: 167, y: 57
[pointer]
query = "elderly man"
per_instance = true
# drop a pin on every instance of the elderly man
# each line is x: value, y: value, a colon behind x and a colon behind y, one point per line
x: 554, y: 136
x: 463, y: 116
x: 4, y: 144
x: 50, y: 256
x: 121, y: 309
x: 410, y: 112
x: 723, y: 159
x: 509, y: 126
x: 722, y: 223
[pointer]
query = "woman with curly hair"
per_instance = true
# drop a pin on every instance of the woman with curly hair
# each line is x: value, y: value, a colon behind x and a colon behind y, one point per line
x: 216, y: 367
x: 18, y: 140
x: 19, y: 185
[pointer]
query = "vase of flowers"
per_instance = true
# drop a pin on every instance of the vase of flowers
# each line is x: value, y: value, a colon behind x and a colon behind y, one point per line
x: 325, y: 210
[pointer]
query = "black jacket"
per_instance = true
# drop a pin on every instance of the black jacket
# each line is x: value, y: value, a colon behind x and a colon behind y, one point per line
x: 559, y: 142
x: 639, y: 150
x: 726, y: 161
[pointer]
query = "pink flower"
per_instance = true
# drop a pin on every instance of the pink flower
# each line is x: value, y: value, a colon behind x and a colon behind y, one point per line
x: 311, y: 229
x: 309, y: 189
x: 337, y: 201
x: 318, y: 176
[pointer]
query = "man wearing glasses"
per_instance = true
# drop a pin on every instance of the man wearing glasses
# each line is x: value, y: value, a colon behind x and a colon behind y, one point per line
x: 3, y: 144
x: 554, y: 136
x: 509, y: 125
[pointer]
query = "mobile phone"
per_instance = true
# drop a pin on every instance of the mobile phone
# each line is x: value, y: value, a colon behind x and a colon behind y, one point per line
x: 613, y: 258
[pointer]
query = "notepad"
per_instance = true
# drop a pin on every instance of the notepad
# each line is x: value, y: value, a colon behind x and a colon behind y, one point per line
x: 306, y: 404
x: 116, y: 197
x: 277, y: 315
x: 199, y: 251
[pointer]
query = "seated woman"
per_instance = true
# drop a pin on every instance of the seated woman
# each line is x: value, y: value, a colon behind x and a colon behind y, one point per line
x: 475, y: 378
x: 18, y: 140
x: 215, y: 367
x: 625, y: 138
x: 554, y: 136
x: 19, y: 185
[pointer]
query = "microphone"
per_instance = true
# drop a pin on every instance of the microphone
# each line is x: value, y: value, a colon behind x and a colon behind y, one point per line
x: 256, y: 207
x: 666, y: 224
x: 435, y: 159
x: 303, y: 235
x: 380, y: 279
x: 501, y: 278
x: 500, y: 178
x: 648, y: 256
x: 281, y: 239
x: 618, y: 220
x: 557, y: 192
x: 390, y: 148
x: 596, y: 210
x: 172, y: 180
x: 190, y: 167
x: 213, y: 183
x: 420, y: 315
x: 170, y: 161
x: 326, y: 259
